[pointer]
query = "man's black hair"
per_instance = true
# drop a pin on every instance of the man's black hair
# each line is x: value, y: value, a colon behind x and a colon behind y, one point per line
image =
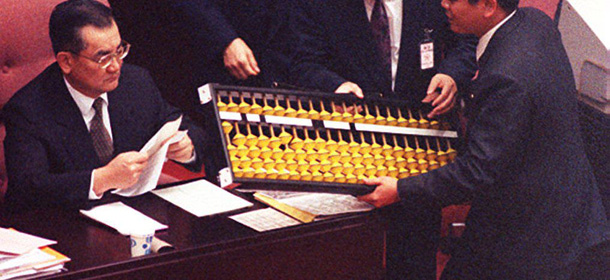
x: 68, y: 18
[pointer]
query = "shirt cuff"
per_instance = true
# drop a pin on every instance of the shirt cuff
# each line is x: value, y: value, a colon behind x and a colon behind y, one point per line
x: 192, y: 159
x: 92, y: 195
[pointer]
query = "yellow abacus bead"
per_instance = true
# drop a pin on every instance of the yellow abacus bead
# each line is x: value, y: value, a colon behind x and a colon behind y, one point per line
x: 348, y: 168
x: 284, y: 175
x: 294, y: 175
x: 306, y: 176
x: 351, y: 179
x: 248, y: 172
x: 381, y: 171
x: 257, y: 163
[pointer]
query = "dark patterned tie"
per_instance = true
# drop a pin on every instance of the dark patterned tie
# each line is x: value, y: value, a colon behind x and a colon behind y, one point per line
x: 381, y: 33
x: 100, y: 136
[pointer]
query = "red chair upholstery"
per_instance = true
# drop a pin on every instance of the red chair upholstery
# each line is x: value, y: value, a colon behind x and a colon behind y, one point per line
x: 547, y: 6
x: 25, y: 50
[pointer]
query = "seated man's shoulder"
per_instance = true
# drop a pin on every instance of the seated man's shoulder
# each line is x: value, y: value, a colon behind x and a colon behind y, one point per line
x: 34, y: 94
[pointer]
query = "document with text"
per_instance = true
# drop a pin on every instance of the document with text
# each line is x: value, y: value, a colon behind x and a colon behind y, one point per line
x: 321, y: 205
x: 156, y: 148
x: 265, y: 219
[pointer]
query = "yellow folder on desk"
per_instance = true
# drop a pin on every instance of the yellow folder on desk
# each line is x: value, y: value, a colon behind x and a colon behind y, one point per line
x: 59, y: 258
x: 293, y: 212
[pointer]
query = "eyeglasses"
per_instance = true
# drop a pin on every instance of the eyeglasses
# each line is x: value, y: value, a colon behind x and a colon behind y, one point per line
x: 106, y: 60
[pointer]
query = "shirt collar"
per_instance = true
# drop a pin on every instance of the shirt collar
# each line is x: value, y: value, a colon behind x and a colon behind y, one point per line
x: 84, y: 103
x: 484, y: 40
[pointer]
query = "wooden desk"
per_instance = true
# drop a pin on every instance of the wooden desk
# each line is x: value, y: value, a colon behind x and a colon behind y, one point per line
x: 349, y: 247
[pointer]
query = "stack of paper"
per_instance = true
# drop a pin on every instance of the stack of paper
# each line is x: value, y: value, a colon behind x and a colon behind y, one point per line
x: 27, y: 255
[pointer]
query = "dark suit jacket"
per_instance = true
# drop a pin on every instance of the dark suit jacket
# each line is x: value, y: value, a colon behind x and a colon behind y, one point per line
x: 535, y: 202
x: 49, y: 152
x: 262, y: 24
x: 336, y: 45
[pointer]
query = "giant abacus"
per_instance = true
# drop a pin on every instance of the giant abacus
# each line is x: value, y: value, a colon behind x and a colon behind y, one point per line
x: 309, y: 141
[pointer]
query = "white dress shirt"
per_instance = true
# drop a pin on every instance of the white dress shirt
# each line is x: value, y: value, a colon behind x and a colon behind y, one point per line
x: 484, y: 40
x: 394, y: 10
x: 85, y: 105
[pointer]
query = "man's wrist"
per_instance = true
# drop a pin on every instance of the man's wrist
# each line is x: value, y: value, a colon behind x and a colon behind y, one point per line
x: 192, y: 159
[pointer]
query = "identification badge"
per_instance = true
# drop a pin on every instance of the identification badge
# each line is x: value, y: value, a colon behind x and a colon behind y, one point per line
x: 426, y: 51
x: 427, y: 55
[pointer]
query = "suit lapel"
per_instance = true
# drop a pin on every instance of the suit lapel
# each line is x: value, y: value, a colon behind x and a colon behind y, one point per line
x: 498, y: 37
x: 66, y: 114
x: 406, y: 36
x: 364, y: 43
x: 121, y: 119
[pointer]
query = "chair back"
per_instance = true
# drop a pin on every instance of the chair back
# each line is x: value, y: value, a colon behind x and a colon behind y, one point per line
x: 25, y: 51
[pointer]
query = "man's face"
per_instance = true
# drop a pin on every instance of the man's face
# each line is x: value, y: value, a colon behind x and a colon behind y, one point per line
x: 86, y: 75
x: 464, y: 17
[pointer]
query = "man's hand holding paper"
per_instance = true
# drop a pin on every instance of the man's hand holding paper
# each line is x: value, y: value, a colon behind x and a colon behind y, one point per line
x: 155, y: 151
x: 181, y: 148
x: 122, y: 172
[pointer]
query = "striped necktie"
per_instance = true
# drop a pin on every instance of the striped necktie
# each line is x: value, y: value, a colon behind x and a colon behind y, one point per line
x: 100, y: 136
x: 381, y: 33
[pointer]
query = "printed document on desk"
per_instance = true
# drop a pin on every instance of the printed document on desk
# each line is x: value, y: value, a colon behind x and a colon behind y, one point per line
x: 265, y: 219
x: 321, y: 204
x: 202, y: 198
x: 156, y: 148
x: 122, y: 218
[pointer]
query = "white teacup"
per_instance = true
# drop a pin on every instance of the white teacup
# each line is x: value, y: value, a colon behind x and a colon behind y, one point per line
x: 141, y: 242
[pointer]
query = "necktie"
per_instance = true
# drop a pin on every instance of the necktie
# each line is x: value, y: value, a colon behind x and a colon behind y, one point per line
x: 381, y: 34
x: 100, y: 136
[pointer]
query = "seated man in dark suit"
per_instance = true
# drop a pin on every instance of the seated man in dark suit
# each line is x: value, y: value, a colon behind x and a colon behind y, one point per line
x: 74, y: 131
x: 535, y: 202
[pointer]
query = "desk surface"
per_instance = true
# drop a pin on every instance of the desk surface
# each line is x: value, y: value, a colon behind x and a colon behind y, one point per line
x: 341, y: 248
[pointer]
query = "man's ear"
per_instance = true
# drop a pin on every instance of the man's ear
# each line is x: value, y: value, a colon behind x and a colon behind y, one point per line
x: 491, y: 7
x: 66, y: 61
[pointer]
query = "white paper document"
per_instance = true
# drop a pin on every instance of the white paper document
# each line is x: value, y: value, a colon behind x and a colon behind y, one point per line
x: 265, y: 219
x: 24, y: 264
x: 36, y: 263
x: 14, y: 242
x: 156, y: 148
x: 122, y: 218
x: 322, y: 205
x: 202, y: 198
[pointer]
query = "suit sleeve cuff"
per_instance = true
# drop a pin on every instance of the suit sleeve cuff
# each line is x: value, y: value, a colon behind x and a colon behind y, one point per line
x: 413, y: 186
